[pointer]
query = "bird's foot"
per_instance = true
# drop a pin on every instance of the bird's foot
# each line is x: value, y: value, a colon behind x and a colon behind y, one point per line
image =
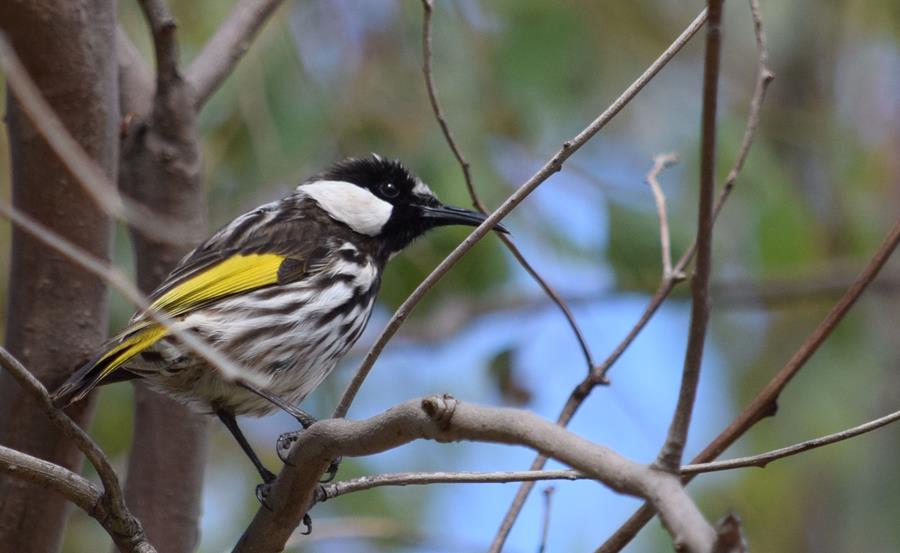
x: 283, y: 449
x: 284, y: 444
x: 262, y: 494
x: 262, y: 490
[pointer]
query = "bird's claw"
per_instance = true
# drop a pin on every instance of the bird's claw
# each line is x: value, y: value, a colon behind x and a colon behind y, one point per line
x: 283, y: 449
x: 284, y: 444
x: 307, y: 522
x: 262, y: 494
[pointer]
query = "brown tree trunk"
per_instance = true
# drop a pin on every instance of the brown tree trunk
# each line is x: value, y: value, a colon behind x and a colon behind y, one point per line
x: 57, y: 313
x: 160, y: 167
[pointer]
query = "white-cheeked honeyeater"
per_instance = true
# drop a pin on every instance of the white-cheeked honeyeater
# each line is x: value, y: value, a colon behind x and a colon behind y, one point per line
x: 284, y: 290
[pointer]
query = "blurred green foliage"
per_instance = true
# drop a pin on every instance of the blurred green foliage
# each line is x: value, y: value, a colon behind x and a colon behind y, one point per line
x: 821, y: 186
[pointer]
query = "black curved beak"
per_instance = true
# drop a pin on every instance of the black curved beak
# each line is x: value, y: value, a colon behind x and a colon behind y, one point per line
x: 447, y: 215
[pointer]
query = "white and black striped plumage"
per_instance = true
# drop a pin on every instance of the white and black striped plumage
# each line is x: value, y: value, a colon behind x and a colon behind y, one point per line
x: 285, y: 290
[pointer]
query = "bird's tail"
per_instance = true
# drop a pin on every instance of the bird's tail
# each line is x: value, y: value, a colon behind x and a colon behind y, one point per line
x: 116, y: 353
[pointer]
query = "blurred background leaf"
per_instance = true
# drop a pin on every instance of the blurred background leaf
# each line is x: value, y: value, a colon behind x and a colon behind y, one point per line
x: 329, y: 79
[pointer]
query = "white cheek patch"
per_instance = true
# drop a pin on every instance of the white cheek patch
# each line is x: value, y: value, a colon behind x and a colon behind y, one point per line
x: 352, y: 205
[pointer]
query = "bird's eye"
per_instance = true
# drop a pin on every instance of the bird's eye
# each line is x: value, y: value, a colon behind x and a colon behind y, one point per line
x: 389, y: 190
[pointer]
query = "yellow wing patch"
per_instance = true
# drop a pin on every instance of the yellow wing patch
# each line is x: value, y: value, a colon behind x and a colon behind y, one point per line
x: 236, y: 274
x: 128, y: 348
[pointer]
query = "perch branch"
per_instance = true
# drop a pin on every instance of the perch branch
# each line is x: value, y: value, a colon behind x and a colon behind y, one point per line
x: 444, y: 419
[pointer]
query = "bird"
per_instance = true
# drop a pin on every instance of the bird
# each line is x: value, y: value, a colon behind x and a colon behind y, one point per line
x: 285, y: 290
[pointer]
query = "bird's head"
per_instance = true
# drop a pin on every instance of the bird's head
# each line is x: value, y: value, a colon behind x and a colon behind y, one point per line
x: 381, y: 198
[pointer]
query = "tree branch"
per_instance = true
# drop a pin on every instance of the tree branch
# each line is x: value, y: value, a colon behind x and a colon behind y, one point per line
x: 161, y: 167
x: 165, y: 42
x: 50, y: 476
x: 764, y: 78
x: 764, y: 404
x: 763, y: 459
x: 672, y: 451
x: 227, y: 46
x: 598, y: 375
x: 444, y: 419
x: 136, y: 84
x: 107, y: 507
x: 70, y: 430
x: 88, y: 174
x: 344, y: 487
x: 473, y: 194
x: 553, y: 166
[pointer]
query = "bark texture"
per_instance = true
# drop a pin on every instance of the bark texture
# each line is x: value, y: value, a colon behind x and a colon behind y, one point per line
x: 160, y: 167
x: 57, y: 313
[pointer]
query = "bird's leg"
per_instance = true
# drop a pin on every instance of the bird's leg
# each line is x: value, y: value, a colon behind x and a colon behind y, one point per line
x: 230, y: 423
x: 285, y: 441
x: 305, y: 419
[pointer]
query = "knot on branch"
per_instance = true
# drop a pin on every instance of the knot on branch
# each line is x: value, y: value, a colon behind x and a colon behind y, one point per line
x: 440, y: 409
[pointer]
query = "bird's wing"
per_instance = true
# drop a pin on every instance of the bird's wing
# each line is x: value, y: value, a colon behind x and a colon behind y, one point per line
x: 274, y: 244
x: 282, y: 254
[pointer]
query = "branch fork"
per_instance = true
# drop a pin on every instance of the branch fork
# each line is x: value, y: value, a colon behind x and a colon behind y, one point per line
x: 444, y: 419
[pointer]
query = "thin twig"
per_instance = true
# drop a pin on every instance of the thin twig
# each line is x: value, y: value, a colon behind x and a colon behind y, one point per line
x: 227, y: 46
x: 115, y: 278
x: 344, y: 487
x: 764, y: 404
x: 673, y: 449
x: 763, y: 459
x: 553, y: 166
x: 764, y: 77
x: 584, y: 388
x: 666, y: 285
x: 428, y: 72
x: 88, y: 174
x: 545, y: 523
x: 660, y: 162
x: 431, y: 86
